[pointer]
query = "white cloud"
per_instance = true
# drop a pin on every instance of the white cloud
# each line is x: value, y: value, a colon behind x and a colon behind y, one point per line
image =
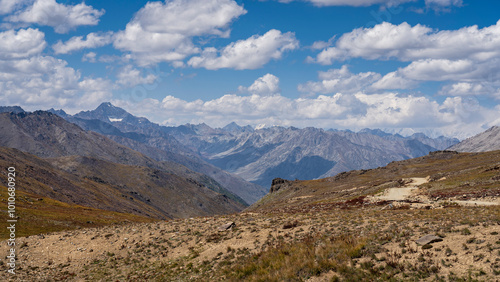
x: 38, y: 80
x: 393, y: 81
x: 129, y: 77
x: 92, y: 40
x: 442, y: 5
x: 93, y: 93
x: 468, y: 89
x: 21, y: 44
x: 406, y: 43
x: 455, y: 116
x: 355, y: 3
x: 8, y: 6
x: 267, y: 85
x: 62, y: 18
x: 463, y: 71
x: 189, y: 18
x: 250, y: 53
x: 89, y: 57
x: 42, y: 82
x: 163, y: 32
x: 340, y: 80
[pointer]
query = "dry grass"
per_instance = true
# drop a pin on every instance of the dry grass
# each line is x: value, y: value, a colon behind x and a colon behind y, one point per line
x: 347, y: 245
x: 39, y: 215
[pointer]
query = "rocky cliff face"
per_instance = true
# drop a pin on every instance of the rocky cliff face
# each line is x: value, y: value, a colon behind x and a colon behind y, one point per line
x: 483, y: 142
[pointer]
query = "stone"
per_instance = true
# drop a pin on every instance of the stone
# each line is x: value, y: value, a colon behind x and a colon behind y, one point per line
x: 428, y: 239
x: 227, y: 226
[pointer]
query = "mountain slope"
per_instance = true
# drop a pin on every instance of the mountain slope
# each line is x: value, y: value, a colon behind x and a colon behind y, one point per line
x: 483, y: 142
x: 49, y: 136
x: 151, y: 139
x: 116, y: 187
x: 447, y: 175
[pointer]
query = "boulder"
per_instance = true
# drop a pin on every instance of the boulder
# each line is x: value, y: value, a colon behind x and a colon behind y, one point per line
x: 428, y: 239
x: 227, y: 226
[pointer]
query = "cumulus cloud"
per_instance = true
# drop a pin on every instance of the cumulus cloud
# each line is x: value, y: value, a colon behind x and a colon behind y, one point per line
x: 393, y: 81
x: 250, y: 53
x: 462, y: 71
x: 8, y: 6
x: 42, y: 82
x: 267, y: 85
x: 38, y: 80
x: 340, y: 80
x: 163, y: 32
x: 21, y: 44
x: 465, y: 55
x: 94, y: 91
x: 468, y: 89
x: 62, y: 18
x: 89, y: 57
x: 130, y: 76
x: 92, y: 40
x: 407, y: 43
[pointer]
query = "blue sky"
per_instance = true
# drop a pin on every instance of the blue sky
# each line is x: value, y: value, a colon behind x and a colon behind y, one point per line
x: 401, y: 65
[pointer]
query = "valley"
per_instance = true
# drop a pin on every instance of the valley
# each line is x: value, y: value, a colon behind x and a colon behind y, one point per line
x: 352, y: 226
x: 103, y: 196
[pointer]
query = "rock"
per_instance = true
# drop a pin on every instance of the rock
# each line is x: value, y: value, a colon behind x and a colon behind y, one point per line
x: 290, y: 224
x: 428, y: 239
x: 227, y: 226
x: 277, y: 184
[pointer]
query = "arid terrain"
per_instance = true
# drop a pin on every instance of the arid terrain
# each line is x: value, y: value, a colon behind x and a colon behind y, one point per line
x: 435, y: 218
x: 357, y: 244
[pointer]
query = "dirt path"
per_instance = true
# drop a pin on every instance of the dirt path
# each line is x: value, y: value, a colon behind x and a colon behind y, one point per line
x: 401, y: 194
x: 411, y: 191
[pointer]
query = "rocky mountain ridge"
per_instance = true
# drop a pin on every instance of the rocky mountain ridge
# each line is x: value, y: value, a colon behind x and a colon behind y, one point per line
x: 308, y: 153
x: 259, y: 155
x: 488, y: 140
x: 156, y: 142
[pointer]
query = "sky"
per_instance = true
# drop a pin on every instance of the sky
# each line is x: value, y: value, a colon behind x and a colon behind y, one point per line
x: 403, y: 66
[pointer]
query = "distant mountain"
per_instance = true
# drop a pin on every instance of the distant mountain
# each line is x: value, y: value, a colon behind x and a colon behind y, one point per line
x: 49, y: 136
x: 157, y: 142
x: 8, y: 109
x: 483, y: 142
x: 309, y: 153
x: 258, y: 155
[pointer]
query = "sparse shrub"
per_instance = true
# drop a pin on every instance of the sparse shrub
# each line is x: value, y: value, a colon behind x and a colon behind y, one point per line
x: 465, y: 231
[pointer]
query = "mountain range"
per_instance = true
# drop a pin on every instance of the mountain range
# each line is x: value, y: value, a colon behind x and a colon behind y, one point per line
x: 257, y: 155
x: 261, y: 155
x: 154, y: 141
x: 238, y: 162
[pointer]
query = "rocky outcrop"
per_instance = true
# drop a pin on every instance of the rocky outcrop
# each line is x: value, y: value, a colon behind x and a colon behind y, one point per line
x: 278, y: 184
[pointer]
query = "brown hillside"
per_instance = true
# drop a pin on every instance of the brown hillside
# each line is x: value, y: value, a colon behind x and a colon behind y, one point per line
x: 115, y: 187
x: 449, y: 175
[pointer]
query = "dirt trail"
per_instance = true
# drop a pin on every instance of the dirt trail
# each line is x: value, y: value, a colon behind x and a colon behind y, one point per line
x: 401, y: 194
x: 411, y: 191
